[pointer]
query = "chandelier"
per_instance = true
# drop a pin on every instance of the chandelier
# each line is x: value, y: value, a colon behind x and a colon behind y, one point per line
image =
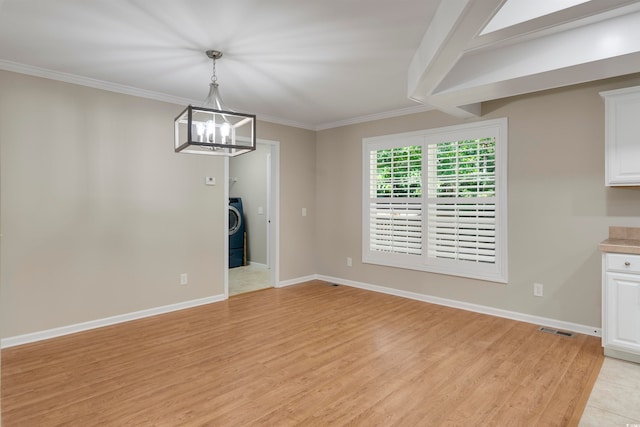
x: 214, y: 129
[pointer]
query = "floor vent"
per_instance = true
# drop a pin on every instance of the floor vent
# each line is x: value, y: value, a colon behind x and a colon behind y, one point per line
x: 557, y: 332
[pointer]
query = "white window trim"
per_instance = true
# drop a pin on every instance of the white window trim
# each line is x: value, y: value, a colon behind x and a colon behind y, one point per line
x: 497, y: 272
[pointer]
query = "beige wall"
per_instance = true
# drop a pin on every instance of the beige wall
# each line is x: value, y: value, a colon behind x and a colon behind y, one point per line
x: 297, y: 191
x: 99, y: 215
x: 559, y: 208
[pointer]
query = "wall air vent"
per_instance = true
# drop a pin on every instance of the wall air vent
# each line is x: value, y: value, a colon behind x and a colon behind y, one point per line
x: 557, y: 332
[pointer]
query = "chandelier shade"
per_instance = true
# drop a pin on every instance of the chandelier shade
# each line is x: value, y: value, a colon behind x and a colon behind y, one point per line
x: 214, y: 129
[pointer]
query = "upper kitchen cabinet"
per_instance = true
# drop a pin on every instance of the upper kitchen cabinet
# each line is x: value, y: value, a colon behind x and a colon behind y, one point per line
x: 622, y: 133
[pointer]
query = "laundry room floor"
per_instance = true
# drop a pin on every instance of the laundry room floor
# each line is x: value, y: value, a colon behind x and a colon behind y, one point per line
x: 615, y: 398
x: 248, y: 278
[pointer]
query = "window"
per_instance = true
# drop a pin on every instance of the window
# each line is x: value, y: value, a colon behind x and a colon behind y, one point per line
x: 436, y: 200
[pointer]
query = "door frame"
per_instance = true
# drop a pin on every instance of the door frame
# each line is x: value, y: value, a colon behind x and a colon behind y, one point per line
x: 273, y: 215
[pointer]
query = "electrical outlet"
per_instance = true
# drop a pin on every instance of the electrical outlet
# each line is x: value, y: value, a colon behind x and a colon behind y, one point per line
x: 184, y: 278
x: 349, y: 262
x: 538, y: 289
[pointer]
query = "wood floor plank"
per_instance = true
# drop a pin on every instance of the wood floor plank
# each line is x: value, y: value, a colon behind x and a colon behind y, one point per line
x: 310, y: 354
x: 580, y: 376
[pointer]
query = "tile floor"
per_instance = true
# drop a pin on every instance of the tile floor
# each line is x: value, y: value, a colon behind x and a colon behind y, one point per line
x: 615, y: 398
x: 248, y: 278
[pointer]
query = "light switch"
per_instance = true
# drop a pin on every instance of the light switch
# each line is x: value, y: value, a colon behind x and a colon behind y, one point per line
x: 260, y: 210
x: 210, y: 180
x: 304, y: 211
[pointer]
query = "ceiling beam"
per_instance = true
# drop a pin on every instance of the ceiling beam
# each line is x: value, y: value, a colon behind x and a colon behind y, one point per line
x: 456, y: 68
x: 455, y: 24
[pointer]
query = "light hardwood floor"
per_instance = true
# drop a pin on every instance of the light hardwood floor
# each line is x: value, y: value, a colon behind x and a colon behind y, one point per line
x: 311, y: 354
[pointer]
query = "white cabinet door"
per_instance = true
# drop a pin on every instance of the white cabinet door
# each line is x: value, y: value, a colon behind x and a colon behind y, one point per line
x: 622, y: 312
x: 622, y: 137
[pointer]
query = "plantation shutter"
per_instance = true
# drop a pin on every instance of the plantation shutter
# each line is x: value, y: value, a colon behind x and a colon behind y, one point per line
x: 436, y: 200
x: 461, y: 200
x: 395, y: 200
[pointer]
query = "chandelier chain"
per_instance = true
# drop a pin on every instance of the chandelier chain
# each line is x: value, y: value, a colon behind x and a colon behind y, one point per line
x: 214, y: 77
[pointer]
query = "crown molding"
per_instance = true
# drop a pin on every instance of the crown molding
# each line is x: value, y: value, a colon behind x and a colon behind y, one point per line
x: 285, y: 122
x: 377, y: 116
x: 94, y: 83
x: 31, y: 70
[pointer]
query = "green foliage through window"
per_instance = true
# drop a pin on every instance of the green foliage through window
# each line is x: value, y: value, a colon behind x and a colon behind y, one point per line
x: 462, y: 168
x: 398, y: 172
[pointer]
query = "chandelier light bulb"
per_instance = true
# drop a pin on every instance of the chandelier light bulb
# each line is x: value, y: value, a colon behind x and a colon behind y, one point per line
x: 225, y: 129
x: 200, y: 131
x: 211, y: 130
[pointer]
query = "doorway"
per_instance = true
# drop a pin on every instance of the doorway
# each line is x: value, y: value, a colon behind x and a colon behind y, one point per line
x: 252, y: 182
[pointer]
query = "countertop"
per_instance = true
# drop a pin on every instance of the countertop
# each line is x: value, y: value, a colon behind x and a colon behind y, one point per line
x: 622, y: 240
x: 620, y: 246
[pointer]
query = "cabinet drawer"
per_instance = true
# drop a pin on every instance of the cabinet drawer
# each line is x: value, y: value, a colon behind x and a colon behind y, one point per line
x: 622, y: 262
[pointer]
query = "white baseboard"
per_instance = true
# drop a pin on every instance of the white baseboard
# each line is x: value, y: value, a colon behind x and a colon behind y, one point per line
x: 93, y: 324
x: 537, y: 320
x: 98, y: 323
x: 296, y: 281
x: 257, y: 264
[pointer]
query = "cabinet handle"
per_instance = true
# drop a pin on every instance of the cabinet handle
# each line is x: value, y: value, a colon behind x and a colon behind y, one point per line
x: 627, y: 263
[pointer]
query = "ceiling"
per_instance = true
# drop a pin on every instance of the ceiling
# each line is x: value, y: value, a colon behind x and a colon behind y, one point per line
x: 321, y: 64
